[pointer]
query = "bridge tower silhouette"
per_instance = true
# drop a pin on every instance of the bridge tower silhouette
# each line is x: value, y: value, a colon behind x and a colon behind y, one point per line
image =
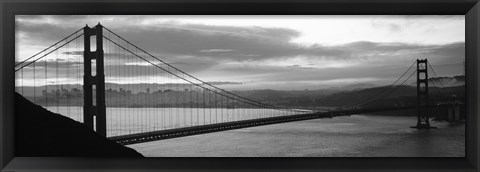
x: 423, y: 110
x: 94, y: 110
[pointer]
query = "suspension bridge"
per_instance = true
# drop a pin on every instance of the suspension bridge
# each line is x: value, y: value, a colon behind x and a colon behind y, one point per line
x: 74, y: 76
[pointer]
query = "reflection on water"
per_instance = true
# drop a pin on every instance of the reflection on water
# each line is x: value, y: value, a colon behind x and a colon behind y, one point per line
x: 354, y: 136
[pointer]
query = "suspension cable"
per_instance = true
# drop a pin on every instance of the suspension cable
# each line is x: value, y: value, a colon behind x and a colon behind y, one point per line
x: 199, y: 85
x: 191, y: 75
x: 49, y: 47
x: 47, y: 53
x: 390, y: 91
x: 385, y: 89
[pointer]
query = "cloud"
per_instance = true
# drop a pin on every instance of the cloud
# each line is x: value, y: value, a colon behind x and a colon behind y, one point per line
x: 43, y: 33
x: 188, y: 40
x: 391, y: 27
x: 180, y: 39
x: 52, y: 64
x: 224, y: 83
x: 73, y: 53
x: 394, y: 27
x: 215, y: 50
x: 236, y: 53
x: 232, y: 46
x: 229, y: 43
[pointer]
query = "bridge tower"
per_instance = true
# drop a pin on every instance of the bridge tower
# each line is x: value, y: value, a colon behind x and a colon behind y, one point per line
x: 94, y: 110
x: 423, y: 111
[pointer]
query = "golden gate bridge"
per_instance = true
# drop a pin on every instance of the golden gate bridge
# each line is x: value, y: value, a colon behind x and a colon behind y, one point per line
x: 70, y: 78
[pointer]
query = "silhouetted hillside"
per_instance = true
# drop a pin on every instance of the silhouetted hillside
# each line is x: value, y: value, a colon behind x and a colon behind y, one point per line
x: 39, y: 132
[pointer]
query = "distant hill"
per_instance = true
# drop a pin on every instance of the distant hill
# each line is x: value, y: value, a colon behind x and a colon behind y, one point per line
x: 381, y: 96
x: 150, y: 95
x: 136, y: 88
x: 354, y: 86
x: 448, y: 81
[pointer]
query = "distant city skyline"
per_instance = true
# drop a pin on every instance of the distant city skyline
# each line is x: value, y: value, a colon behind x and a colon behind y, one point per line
x: 270, y: 52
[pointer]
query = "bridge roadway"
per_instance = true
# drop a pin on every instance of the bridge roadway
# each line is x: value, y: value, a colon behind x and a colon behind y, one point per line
x: 188, y: 131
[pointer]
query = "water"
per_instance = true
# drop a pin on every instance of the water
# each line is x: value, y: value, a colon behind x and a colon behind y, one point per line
x: 348, y: 136
x: 354, y: 136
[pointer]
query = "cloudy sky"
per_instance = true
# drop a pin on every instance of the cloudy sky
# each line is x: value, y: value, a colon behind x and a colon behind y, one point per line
x: 272, y: 52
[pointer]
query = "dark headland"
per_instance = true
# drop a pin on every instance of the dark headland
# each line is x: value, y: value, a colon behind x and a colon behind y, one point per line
x: 39, y: 132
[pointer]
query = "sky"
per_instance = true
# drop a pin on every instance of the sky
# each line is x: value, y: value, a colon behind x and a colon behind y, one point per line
x: 268, y: 52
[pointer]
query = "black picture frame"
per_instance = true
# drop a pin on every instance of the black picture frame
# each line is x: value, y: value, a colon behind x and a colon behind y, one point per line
x: 10, y: 8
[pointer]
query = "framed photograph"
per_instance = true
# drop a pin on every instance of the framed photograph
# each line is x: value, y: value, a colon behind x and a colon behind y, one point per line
x: 254, y: 85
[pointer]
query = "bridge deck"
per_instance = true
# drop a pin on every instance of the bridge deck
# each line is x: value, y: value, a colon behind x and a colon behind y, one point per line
x: 187, y: 131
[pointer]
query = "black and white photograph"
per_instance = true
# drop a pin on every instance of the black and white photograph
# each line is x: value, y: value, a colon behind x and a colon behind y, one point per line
x: 240, y: 86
